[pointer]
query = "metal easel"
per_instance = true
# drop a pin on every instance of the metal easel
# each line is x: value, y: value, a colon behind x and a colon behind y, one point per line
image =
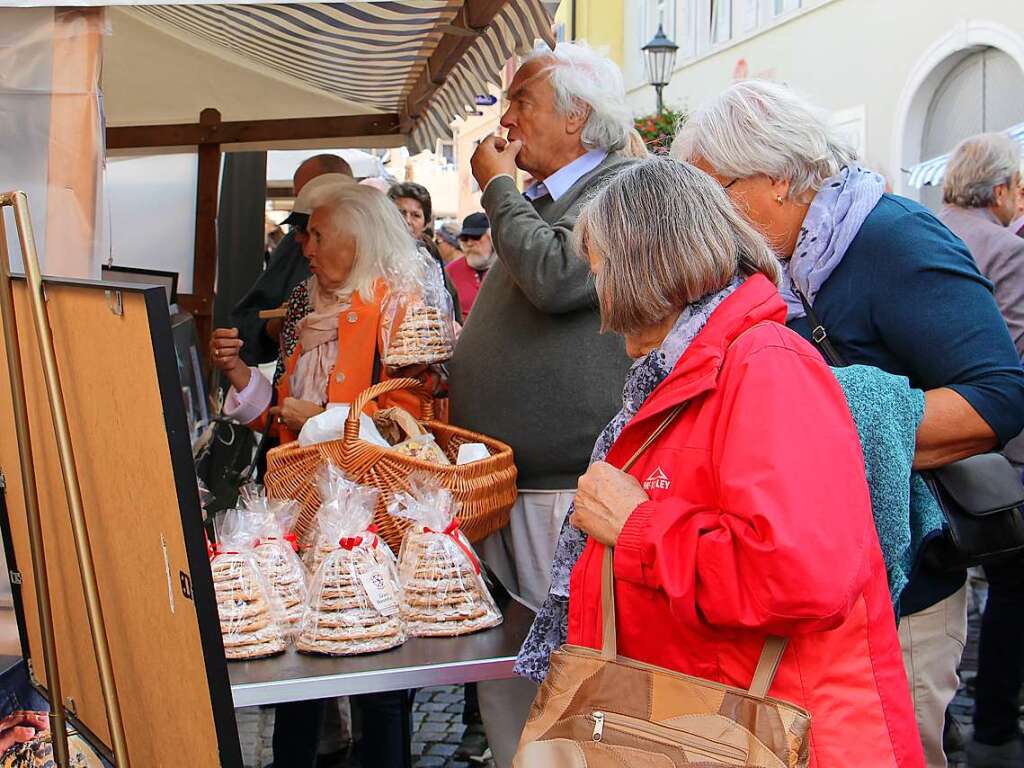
x: 97, y: 627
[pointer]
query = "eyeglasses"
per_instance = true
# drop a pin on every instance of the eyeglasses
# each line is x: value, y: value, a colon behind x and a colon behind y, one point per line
x: 726, y: 186
x: 469, y: 238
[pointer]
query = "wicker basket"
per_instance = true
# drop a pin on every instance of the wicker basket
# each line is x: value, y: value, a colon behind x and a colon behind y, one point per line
x: 486, y: 489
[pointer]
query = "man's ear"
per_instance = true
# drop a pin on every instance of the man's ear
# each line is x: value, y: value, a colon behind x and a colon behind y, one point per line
x: 577, y: 119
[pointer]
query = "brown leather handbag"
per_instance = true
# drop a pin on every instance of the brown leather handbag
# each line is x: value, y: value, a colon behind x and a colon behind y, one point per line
x: 597, y: 709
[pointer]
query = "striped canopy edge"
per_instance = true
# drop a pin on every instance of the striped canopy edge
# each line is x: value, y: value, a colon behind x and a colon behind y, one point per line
x: 368, y: 52
x: 931, y: 172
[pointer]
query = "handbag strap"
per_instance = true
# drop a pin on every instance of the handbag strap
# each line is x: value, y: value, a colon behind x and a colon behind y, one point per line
x: 819, y: 335
x: 774, y: 646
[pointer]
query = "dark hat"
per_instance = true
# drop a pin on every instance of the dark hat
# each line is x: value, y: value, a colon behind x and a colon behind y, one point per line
x: 475, y: 225
x: 448, y: 236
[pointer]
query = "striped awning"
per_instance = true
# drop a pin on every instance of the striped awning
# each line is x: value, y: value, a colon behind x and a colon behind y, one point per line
x: 378, y: 54
x: 931, y: 172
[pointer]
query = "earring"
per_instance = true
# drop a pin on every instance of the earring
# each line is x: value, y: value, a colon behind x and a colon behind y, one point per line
x: 778, y: 199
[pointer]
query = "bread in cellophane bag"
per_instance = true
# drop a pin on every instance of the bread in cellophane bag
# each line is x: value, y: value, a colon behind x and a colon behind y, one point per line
x: 353, y: 604
x: 417, y: 318
x: 276, y: 549
x: 443, y: 590
x: 251, y: 620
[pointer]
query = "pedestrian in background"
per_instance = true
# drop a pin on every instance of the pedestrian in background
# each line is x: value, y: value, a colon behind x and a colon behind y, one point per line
x: 468, y: 271
x: 982, y: 196
x: 286, y: 268
x: 893, y: 288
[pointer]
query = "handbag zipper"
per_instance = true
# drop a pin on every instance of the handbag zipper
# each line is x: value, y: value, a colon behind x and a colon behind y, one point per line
x: 664, y: 734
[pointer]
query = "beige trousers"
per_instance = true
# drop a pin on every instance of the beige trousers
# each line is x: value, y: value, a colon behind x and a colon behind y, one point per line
x: 933, y: 641
x: 520, y: 556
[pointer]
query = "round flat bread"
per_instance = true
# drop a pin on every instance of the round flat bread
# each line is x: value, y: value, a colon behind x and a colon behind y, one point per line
x: 257, y: 651
x: 318, y: 634
x: 441, y: 601
x: 268, y: 634
x: 443, y: 613
x: 243, y: 625
x: 349, y: 647
x: 237, y: 609
x: 452, y: 628
x: 360, y: 617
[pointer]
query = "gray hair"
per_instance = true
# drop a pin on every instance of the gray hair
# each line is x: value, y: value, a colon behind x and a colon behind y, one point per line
x: 584, y: 79
x: 977, y: 166
x: 384, y: 247
x: 759, y: 128
x: 667, y: 235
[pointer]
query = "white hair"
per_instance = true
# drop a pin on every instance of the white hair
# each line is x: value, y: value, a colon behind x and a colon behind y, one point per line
x: 666, y: 235
x: 759, y: 128
x: 384, y: 247
x: 583, y: 79
x: 977, y: 166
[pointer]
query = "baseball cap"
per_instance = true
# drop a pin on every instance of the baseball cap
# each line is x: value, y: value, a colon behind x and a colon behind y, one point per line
x: 304, y: 202
x: 475, y: 225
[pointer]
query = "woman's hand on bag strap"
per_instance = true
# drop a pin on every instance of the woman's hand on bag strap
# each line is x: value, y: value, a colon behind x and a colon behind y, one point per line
x: 605, y: 498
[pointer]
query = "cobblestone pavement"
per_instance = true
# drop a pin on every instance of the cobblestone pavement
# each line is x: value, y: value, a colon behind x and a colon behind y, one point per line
x: 438, y: 732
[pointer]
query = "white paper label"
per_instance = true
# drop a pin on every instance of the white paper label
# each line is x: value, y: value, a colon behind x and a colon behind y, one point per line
x: 380, y: 590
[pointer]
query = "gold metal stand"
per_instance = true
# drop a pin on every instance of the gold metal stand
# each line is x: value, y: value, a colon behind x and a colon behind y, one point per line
x: 58, y: 729
x: 97, y: 626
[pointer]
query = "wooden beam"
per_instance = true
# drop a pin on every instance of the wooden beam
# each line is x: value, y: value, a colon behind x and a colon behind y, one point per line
x: 250, y: 131
x: 472, y: 20
x: 204, y: 269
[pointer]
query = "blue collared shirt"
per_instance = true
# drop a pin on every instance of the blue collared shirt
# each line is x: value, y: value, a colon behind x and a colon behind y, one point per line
x: 559, y: 182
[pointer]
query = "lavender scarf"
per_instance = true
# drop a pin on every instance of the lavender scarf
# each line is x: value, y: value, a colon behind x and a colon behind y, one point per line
x: 832, y: 222
x: 550, y: 627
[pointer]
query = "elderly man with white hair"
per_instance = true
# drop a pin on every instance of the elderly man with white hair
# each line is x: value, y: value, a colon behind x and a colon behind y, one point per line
x: 531, y: 366
x: 981, y: 195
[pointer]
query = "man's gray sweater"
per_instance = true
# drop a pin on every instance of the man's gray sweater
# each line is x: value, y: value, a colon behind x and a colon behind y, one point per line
x: 531, y: 367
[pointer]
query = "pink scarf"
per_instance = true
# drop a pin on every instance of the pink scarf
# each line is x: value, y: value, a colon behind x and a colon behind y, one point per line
x: 318, y: 338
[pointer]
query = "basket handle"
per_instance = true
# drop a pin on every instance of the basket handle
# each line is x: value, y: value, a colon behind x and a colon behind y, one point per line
x: 378, y: 390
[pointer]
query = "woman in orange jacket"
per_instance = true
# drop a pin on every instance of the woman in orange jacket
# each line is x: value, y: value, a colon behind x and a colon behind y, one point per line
x: 331, y: 344
x: 331, y: 350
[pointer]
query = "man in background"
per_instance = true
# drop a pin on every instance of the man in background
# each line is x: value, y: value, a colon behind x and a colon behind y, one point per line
x: 448, y: 242
x: 469, y: 271
x: 286, y: 268
x: 982, y: 199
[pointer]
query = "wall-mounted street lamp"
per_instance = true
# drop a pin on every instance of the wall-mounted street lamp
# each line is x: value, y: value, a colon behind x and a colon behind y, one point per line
x: 660, y: 58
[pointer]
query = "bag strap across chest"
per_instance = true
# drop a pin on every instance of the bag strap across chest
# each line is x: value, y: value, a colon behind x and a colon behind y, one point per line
x: 774, y: 647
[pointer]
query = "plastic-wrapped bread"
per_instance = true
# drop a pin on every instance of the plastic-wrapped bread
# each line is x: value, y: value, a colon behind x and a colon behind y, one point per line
x: 353, y: 604
x: 250, y: 614
x: 443, y: 591
x: 270, y: 522
x: 417, y: 322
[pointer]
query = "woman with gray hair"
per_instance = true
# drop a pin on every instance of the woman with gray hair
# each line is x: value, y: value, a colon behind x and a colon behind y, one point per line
x: 874, y: 279
x: 748, y: 516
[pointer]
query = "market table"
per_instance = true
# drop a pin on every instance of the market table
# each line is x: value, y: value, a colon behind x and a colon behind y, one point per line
x: 419, y: 663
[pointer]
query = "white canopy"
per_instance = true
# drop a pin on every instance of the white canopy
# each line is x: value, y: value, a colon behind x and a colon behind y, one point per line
x: 413, y: 65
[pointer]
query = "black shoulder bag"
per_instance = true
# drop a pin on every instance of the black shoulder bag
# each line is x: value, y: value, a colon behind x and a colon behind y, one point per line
x: 982, y: 497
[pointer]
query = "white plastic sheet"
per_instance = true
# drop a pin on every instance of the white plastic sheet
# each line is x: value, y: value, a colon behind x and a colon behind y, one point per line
x: 51, y: 130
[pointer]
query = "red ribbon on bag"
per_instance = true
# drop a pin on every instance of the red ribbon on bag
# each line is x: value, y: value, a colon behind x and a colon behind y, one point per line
x: 452, y: 531
x: 351, y: 542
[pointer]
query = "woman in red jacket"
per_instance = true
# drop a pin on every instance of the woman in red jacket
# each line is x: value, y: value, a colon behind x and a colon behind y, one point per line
x: 750, y: 515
